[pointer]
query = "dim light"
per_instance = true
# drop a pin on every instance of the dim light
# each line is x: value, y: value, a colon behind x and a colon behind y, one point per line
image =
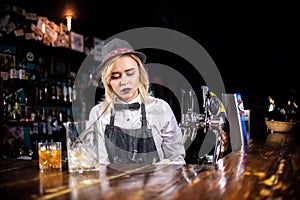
x: 69, y: 21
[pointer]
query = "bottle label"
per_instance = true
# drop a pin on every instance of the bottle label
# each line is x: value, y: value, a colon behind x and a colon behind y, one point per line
x: 22, y: 74
x: 4, y: 76
x: 12, y: 73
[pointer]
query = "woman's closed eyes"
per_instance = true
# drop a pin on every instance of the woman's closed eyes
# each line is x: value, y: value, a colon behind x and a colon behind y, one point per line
x: 118, y: 75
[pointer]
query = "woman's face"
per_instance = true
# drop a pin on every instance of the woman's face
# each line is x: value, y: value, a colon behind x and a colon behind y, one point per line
x: 125, y: 78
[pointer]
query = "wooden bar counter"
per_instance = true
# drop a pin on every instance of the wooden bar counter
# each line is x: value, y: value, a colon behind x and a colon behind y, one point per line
x: 267, y: 169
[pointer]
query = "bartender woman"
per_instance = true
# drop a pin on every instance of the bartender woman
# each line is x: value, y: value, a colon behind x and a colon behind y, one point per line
x: 134, y: 127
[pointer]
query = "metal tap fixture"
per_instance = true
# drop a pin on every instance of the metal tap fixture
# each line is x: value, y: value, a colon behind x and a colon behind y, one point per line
x: 192, y: 120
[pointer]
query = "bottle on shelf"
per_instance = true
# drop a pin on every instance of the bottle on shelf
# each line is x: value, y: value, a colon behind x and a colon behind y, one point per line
x: 54, y: 121
x: 46, y: 92
x: 65, y: 91
x: 70, y: 90
x: 68, y: 116
x: 4, y: 71
x: 40, y: 92
x: 22, y: 108
x: 34, y: 136
x: 21, y: 72
x: 5, y: 104
x: 42, y: 122
x: 53, y: 92
x: 29, y: 115
x: 49, y: 122
x: 10, y: 106
x: 12, y: 77
x: 74, y: 92
x: 16, y: 110
x: 59, y: 92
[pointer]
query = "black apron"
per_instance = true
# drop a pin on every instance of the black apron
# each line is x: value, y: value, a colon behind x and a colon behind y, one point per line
x: 130, y: 145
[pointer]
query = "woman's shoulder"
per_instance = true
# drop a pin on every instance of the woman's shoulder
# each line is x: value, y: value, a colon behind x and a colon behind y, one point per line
x: 97, y: 111
x: 159, y: 103
x: 96, y: 108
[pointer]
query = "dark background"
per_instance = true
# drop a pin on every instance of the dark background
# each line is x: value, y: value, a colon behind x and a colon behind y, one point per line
x: 255, y: 45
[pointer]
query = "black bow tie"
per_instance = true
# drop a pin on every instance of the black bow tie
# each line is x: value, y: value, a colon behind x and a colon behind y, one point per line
x: 132, y: 106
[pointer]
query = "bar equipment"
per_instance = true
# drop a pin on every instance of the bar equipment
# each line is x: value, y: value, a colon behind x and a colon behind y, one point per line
x: 192, y: 121
x: 82, y: 146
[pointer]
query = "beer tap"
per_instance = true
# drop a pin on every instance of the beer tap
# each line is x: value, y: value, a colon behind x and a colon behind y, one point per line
x: 206, y: 105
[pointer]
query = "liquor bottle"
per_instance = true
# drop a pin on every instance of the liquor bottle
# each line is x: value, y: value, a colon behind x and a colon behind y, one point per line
x: 21, y: 72
x: 4, y: 105
x: 49, y: 122
x: 59, y: 92
x: 40, y: 92
x: 42, y: 123
x: 4, y: 71
x: 53, y: 92
x: 22, y: 108
x: 68, y: 116
x: 65, y: 91
x: 32, y: 76
x: 46, y: 92
x: 70, y: 90
x: 10, y: 106
x: 16, y: 107
x: 12, y: 77
x: 34, y: 138
x: 74, y: 92
x: 54, y: 121
x: 61, y: 119
x: 34, y: 135
x: 35, y: 125
x: 28, y: 111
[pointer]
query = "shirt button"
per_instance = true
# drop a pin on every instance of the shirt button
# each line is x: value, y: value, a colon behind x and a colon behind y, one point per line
x: 128, y: 119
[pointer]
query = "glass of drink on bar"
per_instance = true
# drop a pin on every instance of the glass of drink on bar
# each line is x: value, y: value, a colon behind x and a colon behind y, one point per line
x: 50, y: 155
x: 82, y: 147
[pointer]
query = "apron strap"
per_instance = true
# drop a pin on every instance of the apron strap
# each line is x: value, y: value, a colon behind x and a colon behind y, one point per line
x: 144, y: 121
x: 112, y: 120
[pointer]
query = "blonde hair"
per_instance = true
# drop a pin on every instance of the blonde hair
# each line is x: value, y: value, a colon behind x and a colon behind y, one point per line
x: 144, y: 87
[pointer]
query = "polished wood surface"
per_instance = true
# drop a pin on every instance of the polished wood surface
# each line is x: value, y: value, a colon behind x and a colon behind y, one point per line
x: 267, y: 169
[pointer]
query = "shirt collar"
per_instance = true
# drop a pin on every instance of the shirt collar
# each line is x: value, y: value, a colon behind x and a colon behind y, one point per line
x: 136, y: 99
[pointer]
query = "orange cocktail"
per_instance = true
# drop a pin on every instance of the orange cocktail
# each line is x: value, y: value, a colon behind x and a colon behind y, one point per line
x: 50, y: 155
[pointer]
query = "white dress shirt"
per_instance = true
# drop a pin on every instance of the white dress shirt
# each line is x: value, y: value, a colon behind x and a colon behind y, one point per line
x: 160, y: 119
